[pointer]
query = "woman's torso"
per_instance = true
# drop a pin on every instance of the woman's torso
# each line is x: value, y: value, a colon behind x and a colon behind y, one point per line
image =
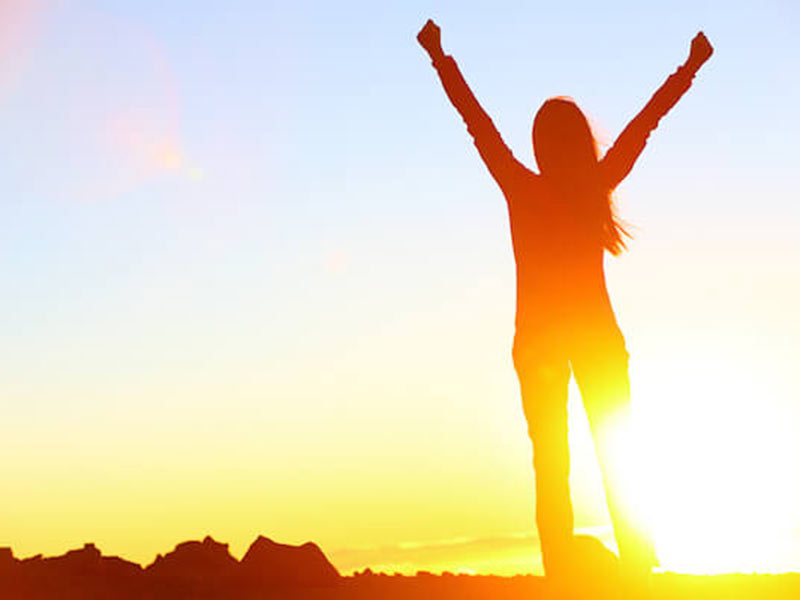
x: 558, y: 250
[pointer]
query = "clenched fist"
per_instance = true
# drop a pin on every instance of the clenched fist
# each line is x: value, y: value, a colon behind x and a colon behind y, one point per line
x: 700, y: 51
x: 430, y: 38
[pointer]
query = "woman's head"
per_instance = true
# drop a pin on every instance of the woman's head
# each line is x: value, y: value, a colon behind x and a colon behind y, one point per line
x: 563, y: 143
x: 567, y: 154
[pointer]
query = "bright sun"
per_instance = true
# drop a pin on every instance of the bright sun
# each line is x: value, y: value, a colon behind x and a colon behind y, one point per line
x: 718, y: 475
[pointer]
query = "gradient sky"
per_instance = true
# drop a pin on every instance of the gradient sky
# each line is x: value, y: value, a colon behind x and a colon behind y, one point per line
x: 255, y: 278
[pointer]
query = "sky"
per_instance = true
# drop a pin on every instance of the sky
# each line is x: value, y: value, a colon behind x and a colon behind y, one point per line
x: 256, y: 280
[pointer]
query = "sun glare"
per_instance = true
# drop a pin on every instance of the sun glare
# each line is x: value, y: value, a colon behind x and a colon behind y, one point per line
x: 718, y: 494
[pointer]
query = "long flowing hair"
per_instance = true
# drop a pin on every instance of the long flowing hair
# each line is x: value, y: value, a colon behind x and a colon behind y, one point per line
x: 568, y: 156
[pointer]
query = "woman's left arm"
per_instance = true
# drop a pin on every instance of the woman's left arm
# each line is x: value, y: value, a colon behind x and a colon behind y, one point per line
x: 620, y: 158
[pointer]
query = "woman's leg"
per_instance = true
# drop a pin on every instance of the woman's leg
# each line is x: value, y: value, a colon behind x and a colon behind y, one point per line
x: 602, y: 376
x: 543, y: 384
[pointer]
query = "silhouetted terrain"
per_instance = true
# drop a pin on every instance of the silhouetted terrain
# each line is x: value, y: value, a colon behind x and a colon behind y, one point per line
x: 201, y: 570
x: 207, y: 571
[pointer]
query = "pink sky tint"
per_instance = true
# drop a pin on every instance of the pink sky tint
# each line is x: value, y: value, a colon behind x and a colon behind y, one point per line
x: 19, y: 29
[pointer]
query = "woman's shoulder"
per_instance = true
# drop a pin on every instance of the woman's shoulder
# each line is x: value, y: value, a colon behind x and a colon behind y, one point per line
x: 526, y: 186
x: 533, y: 191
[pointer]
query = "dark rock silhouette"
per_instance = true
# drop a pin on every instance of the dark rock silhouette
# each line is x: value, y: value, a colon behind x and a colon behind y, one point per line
x: 199, y: 569
x: 208, y: 556
x: 7, y: 561
x: 83, y: 573
x: 270, y: 564
x: 194, y: 569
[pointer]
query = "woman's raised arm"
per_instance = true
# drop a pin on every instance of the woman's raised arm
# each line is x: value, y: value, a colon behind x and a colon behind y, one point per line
x: 495, y: 153
x: 619, y: 159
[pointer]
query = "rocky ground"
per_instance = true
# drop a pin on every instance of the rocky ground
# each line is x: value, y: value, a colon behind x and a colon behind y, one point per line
x: 205, y: 570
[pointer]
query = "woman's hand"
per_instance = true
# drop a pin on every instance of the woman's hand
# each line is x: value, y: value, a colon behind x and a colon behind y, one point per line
x: 700, y: 51
x: 430, y: 38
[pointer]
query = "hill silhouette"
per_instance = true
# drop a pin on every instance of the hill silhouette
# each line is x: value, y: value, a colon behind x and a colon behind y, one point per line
x: 205, y: 570
x: 270, y: 564
x: 194, y: 569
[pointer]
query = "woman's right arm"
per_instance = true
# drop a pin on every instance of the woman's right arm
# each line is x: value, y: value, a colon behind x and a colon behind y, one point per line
x: 495, y: 153
x: 620, y: 158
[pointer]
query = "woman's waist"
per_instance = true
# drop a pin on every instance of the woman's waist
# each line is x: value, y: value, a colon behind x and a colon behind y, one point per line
x: 552, y: 337
x: 563, y: 298
x: 565, y: 318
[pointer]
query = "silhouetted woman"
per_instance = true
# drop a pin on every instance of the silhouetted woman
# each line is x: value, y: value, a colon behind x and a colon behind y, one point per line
x: 562, y: 221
